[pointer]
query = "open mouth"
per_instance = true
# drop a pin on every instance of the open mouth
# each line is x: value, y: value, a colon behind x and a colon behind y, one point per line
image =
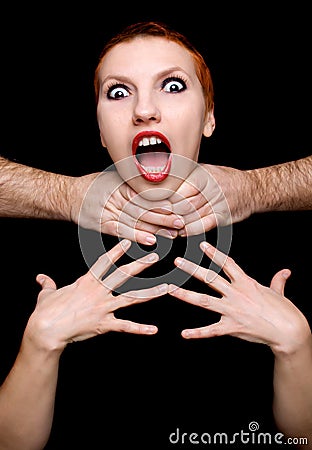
x: 152, y: 155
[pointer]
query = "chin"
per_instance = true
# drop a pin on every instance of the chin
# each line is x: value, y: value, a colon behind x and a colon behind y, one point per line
x: 159, y: 191
x: 156, y: 194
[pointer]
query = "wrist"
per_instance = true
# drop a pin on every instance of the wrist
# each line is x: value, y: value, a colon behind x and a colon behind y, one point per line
x: 294, y: 348
x: 76, y: 189
x: 39, y: 338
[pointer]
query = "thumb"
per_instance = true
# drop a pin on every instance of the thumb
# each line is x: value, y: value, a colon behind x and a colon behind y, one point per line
x: 279, y: 280
x: 45, y: 282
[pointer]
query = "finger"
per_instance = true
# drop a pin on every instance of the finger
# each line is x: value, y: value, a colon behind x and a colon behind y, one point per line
x: 126, y: 232
x: 279, y: 281
x: 225, y: 262
x: 151, y: 217
x: 105, y: 261
x: 208, y: 276
x: 131, y: 228
x: 199, y: 226
x: 139, y: 296
x: 193, y: 185
x: 127, y: 326
x: 125, y: 272
x: 126, y: 227
x: 168, y: 233
x: 185, y: 204
x: 197, y: 214
x: 198, y: 299
x: 213, y: 330
x: 135, y: 222
x: 163, y: 220
x: 45, y: 282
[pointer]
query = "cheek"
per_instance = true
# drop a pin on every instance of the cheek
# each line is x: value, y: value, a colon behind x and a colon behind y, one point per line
x: 190, y: 123
x: 188, y: 142
x: 112, y: 136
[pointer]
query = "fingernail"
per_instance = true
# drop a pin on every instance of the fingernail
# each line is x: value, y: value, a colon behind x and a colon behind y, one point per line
x: 163, y: 288
x: 150, y: 240
x: 179, y: 261
x: 150, y: 329
x: 173, y: 288
x: 186, y: 333
x: 125, y: 243
x: 152, y: 257
x: 178, y: 223
x: 165, y: 233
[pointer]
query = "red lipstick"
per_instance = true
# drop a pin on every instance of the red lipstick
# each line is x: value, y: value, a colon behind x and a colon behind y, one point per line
x: 152, y: 155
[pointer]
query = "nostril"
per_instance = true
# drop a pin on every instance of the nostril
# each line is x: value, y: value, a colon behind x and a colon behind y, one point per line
x: 142, y: 119
x: 145, y: 115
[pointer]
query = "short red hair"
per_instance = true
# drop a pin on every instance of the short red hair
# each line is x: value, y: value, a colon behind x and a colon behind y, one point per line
x: 159, y: 29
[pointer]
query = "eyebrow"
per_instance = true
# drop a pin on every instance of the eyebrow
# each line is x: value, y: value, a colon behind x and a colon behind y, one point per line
x: 125, y: 79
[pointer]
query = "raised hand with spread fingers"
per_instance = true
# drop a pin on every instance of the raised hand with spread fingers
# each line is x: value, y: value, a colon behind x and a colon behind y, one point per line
x: 79, y: 311
x: 256, y: 313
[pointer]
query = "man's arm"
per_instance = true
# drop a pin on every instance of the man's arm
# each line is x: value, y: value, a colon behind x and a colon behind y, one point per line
x: 218, y: 195
x: 282, y: 187
x: 33, y: 193
x: 99, y: 201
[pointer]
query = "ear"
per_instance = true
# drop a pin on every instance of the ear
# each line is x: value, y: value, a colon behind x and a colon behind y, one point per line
x: 209, y: 125
x: 102, y: 140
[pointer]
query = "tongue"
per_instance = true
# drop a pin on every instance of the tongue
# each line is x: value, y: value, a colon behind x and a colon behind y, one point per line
x: 157, y: 160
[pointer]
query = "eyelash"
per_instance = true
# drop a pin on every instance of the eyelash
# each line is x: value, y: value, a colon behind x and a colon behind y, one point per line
x: 175, y: 78
x: 114, y: 85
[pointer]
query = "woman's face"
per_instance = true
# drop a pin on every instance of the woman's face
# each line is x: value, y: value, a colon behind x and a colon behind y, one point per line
x: 151, y: 114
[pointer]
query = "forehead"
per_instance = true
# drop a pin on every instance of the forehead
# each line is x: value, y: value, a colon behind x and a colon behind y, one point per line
x: 146, y: 53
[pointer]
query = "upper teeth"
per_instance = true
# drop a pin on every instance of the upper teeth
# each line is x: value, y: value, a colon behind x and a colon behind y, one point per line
x: 149, y: 141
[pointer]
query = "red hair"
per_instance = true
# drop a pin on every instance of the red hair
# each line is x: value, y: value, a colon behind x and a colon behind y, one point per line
x: 161, y: 30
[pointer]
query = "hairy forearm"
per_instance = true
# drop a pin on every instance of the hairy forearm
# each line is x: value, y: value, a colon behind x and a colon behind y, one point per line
x: 27, y: 399
x: 292, y: 403
x: 282, y: 187
x: 33, y: 193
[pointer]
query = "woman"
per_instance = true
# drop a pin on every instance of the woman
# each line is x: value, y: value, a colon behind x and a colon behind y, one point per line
x: 154, y: 97
x: 155, y: 102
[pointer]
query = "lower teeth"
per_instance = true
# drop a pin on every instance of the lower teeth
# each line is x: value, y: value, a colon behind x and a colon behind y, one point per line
x: 153, y: 169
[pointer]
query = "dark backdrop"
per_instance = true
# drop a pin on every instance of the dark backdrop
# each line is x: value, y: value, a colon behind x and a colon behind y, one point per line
x: 124, y: 391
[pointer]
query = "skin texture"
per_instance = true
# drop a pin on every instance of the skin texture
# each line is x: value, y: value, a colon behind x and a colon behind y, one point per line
x: 208, y: 197
x: 263, y: 315
x: 101, y: 201
x: 73, y: 313
x: 218, y: 195
x: 139, y: 68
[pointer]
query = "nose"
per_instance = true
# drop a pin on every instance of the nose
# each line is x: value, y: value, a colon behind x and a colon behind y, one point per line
x: 145, y: 110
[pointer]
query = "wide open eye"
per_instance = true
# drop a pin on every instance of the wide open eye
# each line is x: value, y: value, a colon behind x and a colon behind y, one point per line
x: 173, y: 85
x: 118, y: 91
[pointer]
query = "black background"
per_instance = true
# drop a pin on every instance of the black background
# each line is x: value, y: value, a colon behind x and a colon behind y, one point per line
x: 122, y: 391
